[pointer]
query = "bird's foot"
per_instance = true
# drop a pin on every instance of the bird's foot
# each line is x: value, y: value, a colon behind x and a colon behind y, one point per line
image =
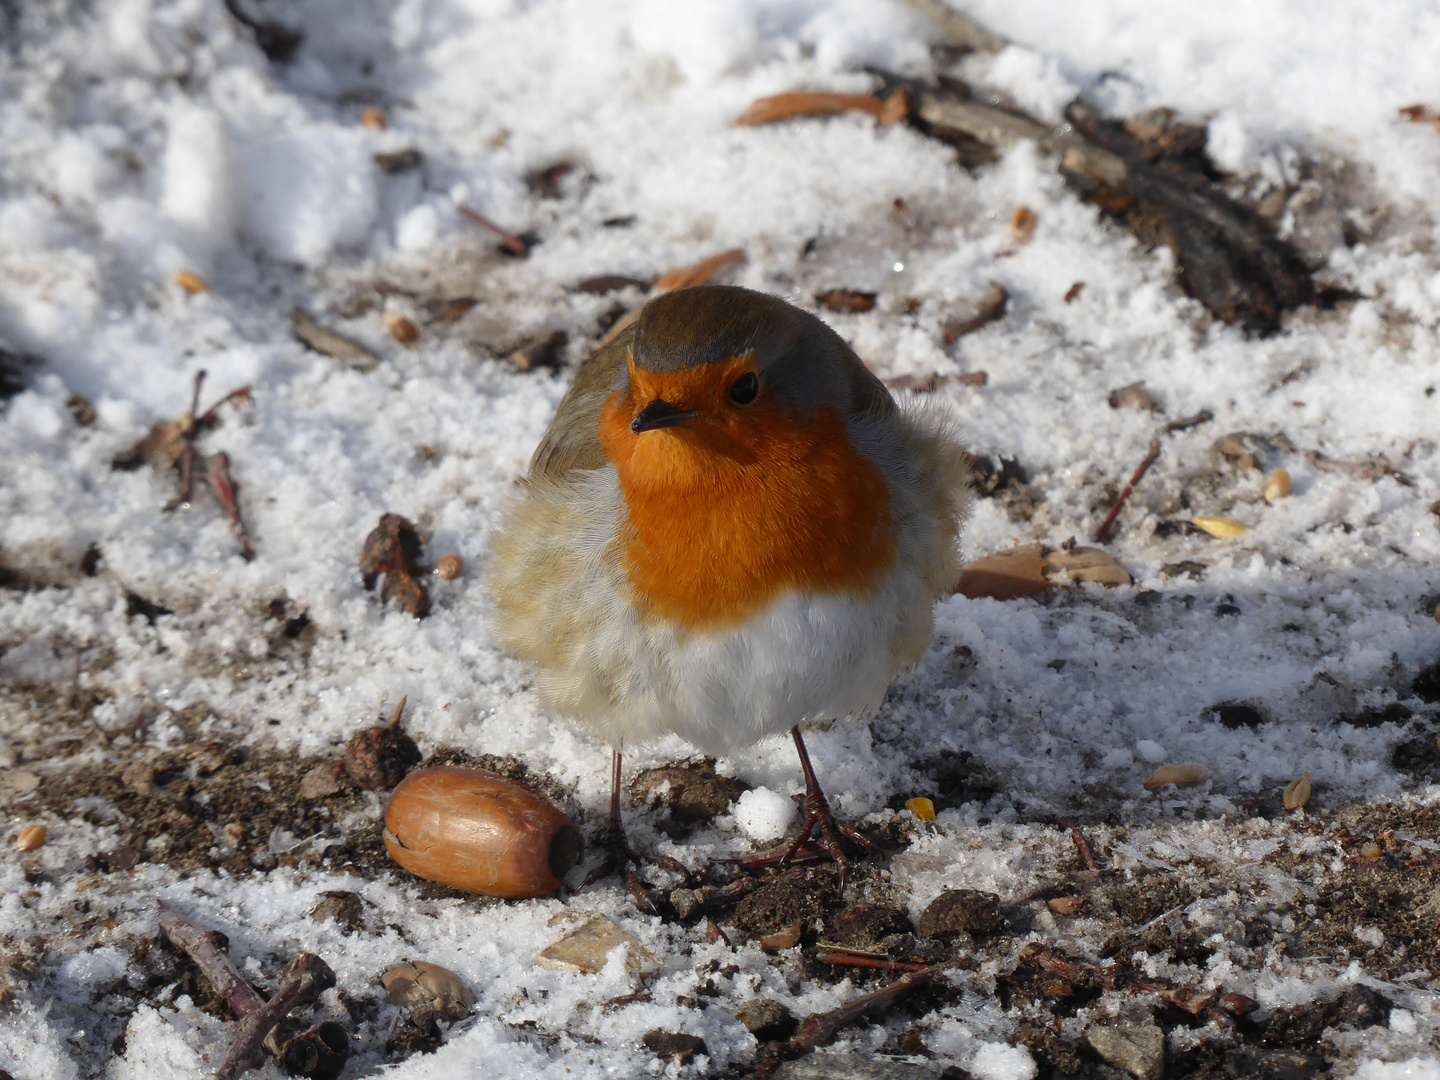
x: 819, y: 837
x: 620, y: 857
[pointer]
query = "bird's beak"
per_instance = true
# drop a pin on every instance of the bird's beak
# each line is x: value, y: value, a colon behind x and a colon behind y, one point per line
x: 659, y: 414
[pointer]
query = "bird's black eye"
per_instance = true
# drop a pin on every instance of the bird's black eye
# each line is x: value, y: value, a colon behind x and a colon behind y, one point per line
x: 745, y: 389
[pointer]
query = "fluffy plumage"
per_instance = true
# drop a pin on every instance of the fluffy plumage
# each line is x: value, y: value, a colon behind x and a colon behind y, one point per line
x: 802, y: 539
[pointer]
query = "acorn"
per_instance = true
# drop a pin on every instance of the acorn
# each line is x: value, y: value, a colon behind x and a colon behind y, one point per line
x: 476, y: 831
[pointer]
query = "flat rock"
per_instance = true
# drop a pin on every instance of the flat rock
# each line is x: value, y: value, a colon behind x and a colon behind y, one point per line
x: 588, y: 946
x: 1138, y: 1050
x: 851, y: 1067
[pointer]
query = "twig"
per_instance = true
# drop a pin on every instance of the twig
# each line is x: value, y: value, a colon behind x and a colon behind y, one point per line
x: 1104, y: 530
x: 304, y: 980
x: 817, y: 1029
x: 192, y: 431
x: 1204, y: 416
x: 855, y: 958
x: 508, y: 240
x: 222, y: 482
x: 1081, y: 845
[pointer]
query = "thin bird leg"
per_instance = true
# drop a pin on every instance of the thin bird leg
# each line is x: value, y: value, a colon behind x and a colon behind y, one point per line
x: 817, y: 818
x: 619, y: 855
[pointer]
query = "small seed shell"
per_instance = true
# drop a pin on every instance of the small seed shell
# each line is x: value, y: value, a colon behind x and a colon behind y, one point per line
x: 401, y: 328
x: 479, y: 832
x: 1179, y: 775
x: 1297, y: 792
x: 1219, y: 527
x: 450, y: 565
x: 31, y: 837
x: 191, y: 282
x: 1277, y: 485
x: 921, y: 807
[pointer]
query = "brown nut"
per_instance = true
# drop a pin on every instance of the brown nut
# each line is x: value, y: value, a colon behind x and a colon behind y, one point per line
x: 476, y: 831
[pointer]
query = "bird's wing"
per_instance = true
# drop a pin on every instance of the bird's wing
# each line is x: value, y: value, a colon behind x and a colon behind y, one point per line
x: 572, y: 441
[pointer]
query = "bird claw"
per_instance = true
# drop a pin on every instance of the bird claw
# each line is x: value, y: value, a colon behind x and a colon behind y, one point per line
x: 819, y: 838
x: 619, y: 856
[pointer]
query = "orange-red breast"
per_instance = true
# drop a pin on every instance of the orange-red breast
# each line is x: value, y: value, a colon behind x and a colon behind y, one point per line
x: 730, y: 528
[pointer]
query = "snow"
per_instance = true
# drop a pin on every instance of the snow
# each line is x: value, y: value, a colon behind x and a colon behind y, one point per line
x: 144, y: 137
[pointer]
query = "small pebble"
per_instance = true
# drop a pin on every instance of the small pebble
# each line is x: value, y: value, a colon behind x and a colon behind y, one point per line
x: 31, y: 837
x: 450, y: 566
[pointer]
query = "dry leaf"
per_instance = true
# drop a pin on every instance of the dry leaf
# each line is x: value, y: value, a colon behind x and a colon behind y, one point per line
x: 846, y: 300
x: 1277, y: 485
x: 684, y: 277
x: 975, y: 313
x: 1297, y: 792
x: 190, y: 282
x: 393, y: 549
x: 1179, y: 775
x: 921, y: 807
x: 768, y: 110
x: 1022, y: 225
x: 1219, y: 527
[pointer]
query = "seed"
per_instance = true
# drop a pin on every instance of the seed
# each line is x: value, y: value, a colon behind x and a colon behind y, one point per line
x: 1065, y: 905
x: 191, y: 283
x: 401, y: 328
x: 1220, y: 527
x: 1277, y: 485
x: 1022, y: 224
x: 1371, y: 850
x: 474, y: 830
x: 921, y: 807
x: 1297, y: 792
x: 375, y: 119
x: 1179, y: 775
x: 450, y: 565
x: 31, y: 837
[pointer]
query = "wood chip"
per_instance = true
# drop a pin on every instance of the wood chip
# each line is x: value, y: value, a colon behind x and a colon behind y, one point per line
x: 1219, y: 527
x: 684, y: 277
x: 846, y: 300
x: 1178, y: 775
x: 769, y: 110
x: 588, y: 948
x: 975, y: 313
x: 1036, y: 569
x: 1022, y: 225
x: 1297, y: 792
x: 785, y: 938
x: 192, y: 283
x: 317, y: 337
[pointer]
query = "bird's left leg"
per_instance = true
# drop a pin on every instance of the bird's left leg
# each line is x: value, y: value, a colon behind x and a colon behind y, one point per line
x: 819, y: 823
x: 619, y: 855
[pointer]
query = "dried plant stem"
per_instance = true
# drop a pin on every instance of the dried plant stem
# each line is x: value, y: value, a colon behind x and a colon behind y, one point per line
x: 1105, y: 526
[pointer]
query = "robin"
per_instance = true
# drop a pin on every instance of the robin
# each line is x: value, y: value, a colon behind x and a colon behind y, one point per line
x: 729, y: 529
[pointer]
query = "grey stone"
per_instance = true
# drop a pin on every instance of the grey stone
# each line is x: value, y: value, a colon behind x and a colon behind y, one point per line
x: 1138, y: 1050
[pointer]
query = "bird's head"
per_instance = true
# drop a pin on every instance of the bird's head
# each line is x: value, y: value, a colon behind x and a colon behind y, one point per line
x: 730, y: 376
